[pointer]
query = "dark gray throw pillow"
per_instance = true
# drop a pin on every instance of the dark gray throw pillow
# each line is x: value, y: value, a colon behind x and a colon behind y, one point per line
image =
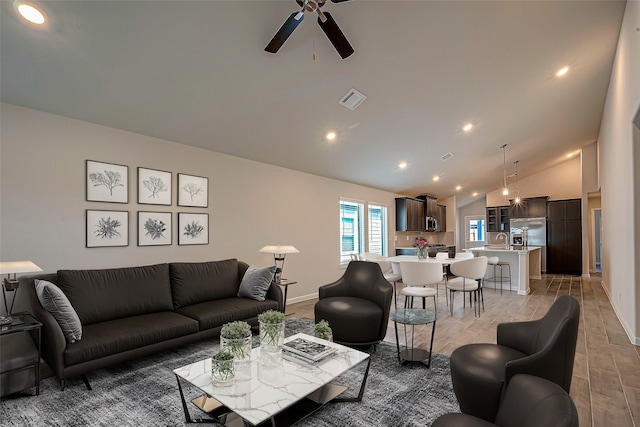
x: 56, y: 302
x: 256, y: 281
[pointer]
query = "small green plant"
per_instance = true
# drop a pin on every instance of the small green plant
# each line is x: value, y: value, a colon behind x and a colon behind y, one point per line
x: 271, y: 328
x: 222, y: 365
x: 322, y: 330
x: 235, y: 330
x: 236, y: 337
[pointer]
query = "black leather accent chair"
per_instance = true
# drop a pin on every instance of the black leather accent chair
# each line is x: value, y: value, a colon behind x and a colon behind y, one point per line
x: 529, y: 401
x: 357, y: 305
x: 545, y: 348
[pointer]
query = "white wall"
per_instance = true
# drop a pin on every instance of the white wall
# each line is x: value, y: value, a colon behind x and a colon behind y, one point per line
x: 559, y: 182
x: 42, y: 201
x: 620, y: 185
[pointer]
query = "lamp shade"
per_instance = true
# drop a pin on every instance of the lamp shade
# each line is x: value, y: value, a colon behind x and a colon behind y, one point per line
x: 13, y: 267
x: 279, y: 249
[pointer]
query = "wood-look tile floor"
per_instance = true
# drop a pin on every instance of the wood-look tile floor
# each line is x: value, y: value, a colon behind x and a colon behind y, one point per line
x: 606, y: 373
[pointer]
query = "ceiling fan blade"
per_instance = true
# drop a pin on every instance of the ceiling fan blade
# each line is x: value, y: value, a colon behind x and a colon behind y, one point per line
x: 335, y: 36
x: 284, y: 32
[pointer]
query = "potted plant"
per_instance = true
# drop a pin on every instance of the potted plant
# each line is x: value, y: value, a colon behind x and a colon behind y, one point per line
x: 271, y: 330
x: 236, y: 337
x: 323, y: 330
x: 222, y: 366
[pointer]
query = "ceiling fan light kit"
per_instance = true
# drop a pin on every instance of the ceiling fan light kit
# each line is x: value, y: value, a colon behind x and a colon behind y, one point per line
x: 326, y: 22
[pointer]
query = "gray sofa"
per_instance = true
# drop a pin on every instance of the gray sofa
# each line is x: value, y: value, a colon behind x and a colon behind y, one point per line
x: 136, y: 311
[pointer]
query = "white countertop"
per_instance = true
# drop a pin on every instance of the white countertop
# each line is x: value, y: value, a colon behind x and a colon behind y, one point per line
x: 501, y: 248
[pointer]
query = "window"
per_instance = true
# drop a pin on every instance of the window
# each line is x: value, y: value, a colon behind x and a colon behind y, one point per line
x: 377, y: 229
x: 353, y: 239
x: 351, y: 229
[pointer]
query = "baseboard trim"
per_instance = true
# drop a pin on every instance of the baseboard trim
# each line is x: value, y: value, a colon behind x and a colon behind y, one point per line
x: 302, y: 298
x: 627, y: 329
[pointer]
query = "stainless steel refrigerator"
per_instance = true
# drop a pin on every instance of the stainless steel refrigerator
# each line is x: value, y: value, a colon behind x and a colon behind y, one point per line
x: 533, y: 232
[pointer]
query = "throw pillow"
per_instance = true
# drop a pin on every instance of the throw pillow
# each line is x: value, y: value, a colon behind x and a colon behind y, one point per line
x: 56, y: 302
x: 256, y: 281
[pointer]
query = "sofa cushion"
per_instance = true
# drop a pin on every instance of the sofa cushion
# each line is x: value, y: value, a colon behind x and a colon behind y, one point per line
x: 101, y: 295
x: 196, y: 282
x: 55, y: 302
x: 216, y: 313
x: 115, y: 336
x: 256, y: 282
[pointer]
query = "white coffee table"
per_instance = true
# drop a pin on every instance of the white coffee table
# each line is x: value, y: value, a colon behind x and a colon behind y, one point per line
x: 271, y: 389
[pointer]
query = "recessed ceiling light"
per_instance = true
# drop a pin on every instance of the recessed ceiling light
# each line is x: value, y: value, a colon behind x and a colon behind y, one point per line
x: 474, y: 194
x: 562, y: 71
x: 467, y: 127
x: 331, y: 136
x: 436, y: 178
x: 459, y: 187
x: 31, y: 14
x: 402, y: 165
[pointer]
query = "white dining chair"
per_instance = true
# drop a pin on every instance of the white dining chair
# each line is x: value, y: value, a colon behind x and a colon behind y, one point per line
x: 470, y: 274
x: 464, y: 255
x: 416, y: 276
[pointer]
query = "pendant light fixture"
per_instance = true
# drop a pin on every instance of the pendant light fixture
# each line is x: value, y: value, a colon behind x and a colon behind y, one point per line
x: 517, y: 200
x: 505, y: 189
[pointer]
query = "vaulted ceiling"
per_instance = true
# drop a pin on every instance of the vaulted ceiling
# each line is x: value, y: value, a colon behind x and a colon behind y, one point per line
x: 195, y: 72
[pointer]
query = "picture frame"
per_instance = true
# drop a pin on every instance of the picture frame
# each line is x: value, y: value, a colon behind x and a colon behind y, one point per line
x: 107, y: 228
x: 107, y: 182
x: 154, y: 228
x: 193, y: 191
x: 154, y: 187
x: 193, y: 228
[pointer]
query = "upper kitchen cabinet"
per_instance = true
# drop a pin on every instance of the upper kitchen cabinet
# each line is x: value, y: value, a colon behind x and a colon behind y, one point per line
x: 498, y: 218
x: 532, y: 207
x: 441, y: 218
x: 410, y: 214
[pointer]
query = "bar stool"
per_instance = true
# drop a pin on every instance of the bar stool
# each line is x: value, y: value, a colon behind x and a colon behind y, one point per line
x: 495, y: 262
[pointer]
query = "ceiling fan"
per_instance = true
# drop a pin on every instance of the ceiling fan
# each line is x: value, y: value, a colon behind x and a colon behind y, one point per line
x: 326, y: 22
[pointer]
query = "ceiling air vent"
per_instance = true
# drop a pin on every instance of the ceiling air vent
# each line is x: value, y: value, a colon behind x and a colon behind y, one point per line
x: 446, y: 156
x: 352, y: 99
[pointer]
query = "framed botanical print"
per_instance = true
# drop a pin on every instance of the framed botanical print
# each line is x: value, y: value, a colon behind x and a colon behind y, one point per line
x: 154, y: 228
x: 107, y: 228
x: 193, y: 228
x: 107, y: 182
x: 193, y: 191
x: 154, y: 187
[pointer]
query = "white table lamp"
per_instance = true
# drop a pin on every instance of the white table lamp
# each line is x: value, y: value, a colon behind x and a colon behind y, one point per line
x: 279, y: 252
x: 11, y: 285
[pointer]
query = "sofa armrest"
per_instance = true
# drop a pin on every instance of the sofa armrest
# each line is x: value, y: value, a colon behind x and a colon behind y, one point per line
x: 53, y: 342
x: 275, y: 293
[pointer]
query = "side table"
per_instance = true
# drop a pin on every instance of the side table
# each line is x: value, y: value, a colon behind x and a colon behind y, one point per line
x: 285, y: 283
x: 19, y: 353
x: 413, y: 317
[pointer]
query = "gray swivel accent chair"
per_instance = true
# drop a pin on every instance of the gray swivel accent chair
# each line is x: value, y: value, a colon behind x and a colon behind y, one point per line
x: 545, y: 348
x: 357, y: 305
x: 529, y: 401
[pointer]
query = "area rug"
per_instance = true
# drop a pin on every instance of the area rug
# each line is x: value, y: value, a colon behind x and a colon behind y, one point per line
x: 144, y: 392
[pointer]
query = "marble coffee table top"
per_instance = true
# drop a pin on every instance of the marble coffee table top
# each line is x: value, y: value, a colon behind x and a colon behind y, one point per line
x: 270, y: 383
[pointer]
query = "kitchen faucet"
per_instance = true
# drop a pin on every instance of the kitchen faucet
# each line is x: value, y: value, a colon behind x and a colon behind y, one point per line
x: 506, y: 239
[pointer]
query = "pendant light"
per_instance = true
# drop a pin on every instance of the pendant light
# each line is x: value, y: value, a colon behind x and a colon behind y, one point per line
x: 505, y: 189
x: 517, y: 199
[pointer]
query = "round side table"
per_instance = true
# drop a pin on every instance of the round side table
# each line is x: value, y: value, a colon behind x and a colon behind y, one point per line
x: 412, y: 317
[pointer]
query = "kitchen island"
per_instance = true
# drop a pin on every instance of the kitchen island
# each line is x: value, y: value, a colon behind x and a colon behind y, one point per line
x: 525, y: 262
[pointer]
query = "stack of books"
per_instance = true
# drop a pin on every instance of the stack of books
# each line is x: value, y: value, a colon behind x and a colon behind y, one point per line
x: 307, y: 350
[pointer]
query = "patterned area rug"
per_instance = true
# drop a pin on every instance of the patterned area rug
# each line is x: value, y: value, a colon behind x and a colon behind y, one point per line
x: 144, y: 392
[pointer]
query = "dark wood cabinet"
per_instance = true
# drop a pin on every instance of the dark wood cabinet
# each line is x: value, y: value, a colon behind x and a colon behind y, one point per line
x: 498, y: 218
x: 441, y: 218
x: 410, y: 214
x: 531, y: 207
x: 564, y: 236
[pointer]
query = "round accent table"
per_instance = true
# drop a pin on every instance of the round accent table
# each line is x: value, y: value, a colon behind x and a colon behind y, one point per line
x: 412, y: 317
